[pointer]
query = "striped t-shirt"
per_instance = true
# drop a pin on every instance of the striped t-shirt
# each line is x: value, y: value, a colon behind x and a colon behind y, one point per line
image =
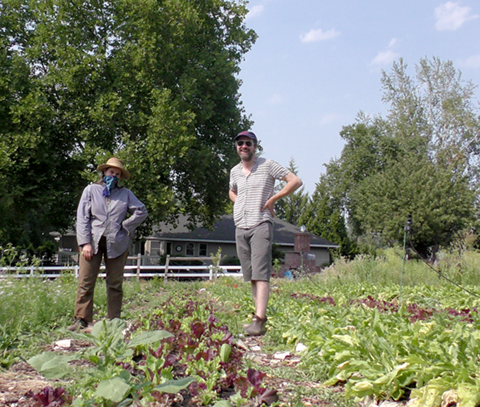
x: 254, y: 191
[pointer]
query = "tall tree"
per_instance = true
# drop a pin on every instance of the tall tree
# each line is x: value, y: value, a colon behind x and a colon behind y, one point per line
x: 420, y: 159
x: 151, y: 82
x: 291, y: 207
x: 440, y: 201
x: 323, y: 217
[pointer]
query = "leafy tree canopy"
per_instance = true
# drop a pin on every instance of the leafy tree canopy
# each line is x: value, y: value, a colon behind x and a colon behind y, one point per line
x: 291, y: 207
x: 420, y: 159
x: 153, y: 82
x: 322, y: 216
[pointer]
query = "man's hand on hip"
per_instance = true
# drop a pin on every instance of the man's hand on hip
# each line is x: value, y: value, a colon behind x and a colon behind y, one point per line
x: 270, y: 205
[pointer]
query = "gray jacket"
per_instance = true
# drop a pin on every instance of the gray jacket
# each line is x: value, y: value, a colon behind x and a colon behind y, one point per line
x: 98, y: 216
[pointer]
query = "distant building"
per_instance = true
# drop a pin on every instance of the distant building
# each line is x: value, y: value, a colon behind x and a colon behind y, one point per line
x: 181, y: 241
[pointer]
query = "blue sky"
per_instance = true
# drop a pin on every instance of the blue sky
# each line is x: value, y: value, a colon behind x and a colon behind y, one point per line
x: 317, y: 64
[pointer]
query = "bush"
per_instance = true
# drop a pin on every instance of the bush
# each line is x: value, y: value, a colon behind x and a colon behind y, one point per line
x: 230, y: 261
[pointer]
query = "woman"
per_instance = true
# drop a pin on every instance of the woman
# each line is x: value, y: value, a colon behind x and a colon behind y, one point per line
x: 104, y: 230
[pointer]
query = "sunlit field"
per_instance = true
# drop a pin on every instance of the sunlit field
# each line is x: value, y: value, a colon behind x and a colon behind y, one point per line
x: 377, y: 328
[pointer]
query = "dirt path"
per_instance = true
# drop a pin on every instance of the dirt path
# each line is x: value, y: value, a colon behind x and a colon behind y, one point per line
x: 287, y: 389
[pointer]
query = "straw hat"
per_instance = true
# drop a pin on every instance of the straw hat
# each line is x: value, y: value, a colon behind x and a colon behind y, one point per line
x: 114, y: 162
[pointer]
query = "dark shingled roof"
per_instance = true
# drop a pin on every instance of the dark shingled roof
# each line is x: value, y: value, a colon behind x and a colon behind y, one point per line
x: 224, y: 232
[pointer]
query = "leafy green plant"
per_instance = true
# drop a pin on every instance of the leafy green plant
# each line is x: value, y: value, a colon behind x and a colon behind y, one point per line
x: 108, y: 342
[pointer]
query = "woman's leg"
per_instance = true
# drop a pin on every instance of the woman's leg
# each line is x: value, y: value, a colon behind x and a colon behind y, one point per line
x: 114, y: 269
x: 87, y: 277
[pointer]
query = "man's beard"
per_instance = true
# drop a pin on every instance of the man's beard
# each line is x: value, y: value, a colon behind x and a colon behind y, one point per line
x: 246, y: 156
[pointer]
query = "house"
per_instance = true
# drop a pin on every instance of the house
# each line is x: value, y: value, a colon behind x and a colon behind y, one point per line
x: 181, y: 241
x: 68, y: 248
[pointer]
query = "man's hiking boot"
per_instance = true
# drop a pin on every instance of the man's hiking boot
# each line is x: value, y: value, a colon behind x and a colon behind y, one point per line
x: 80, y: 324
x: 253, y: 317
x: 257, y: 327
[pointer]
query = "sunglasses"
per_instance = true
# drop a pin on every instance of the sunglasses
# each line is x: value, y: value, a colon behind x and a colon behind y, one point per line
x: 247, y: 143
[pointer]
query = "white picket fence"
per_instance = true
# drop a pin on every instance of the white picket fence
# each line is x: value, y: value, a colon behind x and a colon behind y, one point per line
x: 138, y: 270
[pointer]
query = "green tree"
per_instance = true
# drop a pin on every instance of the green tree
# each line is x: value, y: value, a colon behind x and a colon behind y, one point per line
x: 291, y: 207
x: 420, y: 159
x: 441, y: 202
x: 323, y: 217
x: 152, y: 82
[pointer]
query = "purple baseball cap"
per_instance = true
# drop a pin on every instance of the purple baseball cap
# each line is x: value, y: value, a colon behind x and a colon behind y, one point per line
x: 247, y: 134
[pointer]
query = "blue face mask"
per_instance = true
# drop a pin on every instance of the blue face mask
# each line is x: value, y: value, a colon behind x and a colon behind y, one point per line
x: 110, y: 183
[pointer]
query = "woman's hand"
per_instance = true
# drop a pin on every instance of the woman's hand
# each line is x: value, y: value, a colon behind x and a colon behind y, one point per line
x: 87, y: 251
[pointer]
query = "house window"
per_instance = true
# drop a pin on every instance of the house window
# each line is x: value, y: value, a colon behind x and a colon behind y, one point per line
x: 169, y: 248
x: 190, y: 249
x: 202, y: 249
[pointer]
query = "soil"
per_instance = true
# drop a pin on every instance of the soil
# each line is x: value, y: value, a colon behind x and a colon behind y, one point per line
x: 17, y: 382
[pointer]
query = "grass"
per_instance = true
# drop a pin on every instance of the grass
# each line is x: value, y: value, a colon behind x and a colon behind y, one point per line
x: 33, y: 310
x: 389, y: 267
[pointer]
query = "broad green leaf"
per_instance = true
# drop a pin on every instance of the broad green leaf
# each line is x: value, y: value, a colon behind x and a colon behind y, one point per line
x: 225, y: 352
x: 125, y: 375
x: 363, y: 386
x: 362, y: 389
x: 114, y: 327
x: 56, y: 368
x: 51, y: 365
x: 222, y: 403
x: 146, y: 338
x: 37, y: 361
x: 174, y: 386
x: 114, y: 389
x: 388, y: 378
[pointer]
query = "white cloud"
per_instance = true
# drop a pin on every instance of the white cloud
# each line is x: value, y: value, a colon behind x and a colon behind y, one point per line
x: 330, y: 118
x: 451, y: 16
x: 392, y: 42
x: 276, y: 99
x: 472, y: 62
x: 255, y: 11
x: 386, y: 57
x: 319, y: 35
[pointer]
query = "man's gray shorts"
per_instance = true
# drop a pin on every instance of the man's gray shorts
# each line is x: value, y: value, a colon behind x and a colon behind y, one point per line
x: 254, y: 249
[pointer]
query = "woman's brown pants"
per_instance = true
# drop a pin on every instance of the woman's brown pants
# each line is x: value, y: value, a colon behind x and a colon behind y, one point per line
x: 87, y: 277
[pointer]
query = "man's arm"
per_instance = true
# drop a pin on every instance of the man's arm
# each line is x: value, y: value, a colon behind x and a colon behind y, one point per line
x: 232, y: 195
x: 292, y: 184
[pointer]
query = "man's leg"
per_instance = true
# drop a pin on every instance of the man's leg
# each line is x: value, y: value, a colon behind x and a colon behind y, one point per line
x: 261, y: 294
x: 114, y: 280
x: 261, y: 247
x: 244, y: 252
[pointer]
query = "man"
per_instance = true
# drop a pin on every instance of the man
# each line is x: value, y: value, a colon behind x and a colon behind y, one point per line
x: 252, y: 182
